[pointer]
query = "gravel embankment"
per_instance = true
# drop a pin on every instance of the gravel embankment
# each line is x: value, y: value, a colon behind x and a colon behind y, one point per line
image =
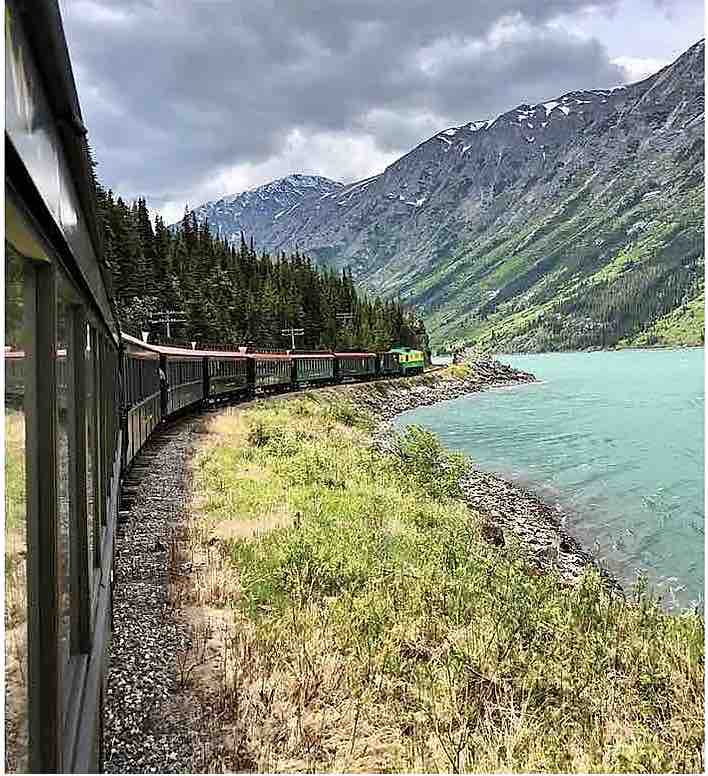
x: 147, y: 725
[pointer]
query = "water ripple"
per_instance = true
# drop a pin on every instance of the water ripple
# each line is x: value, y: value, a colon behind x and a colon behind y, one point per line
x: 617, y: 438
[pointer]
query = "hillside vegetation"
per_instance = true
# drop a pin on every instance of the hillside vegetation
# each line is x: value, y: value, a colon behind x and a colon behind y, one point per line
x: 626, y: 266
x: 684, y: 326
x: 371, y: 628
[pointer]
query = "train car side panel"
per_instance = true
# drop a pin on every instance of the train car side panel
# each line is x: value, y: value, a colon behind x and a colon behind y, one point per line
x: 313, y: 368
x: 389, y: 364
x: 62, y: 468
x: 272, y: 371
x: 226, y: 375
x: 142, y: 381
x: 356, y: 366
x: 185, y: 382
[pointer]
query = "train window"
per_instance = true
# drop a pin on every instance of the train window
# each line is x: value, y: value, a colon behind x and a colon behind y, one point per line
x: 71, y: 486
x: 64, y: 351
x: 91, y: 447
x: 16, y: 685
x: 103, y: 386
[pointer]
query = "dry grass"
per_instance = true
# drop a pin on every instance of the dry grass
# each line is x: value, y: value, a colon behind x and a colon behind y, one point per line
x: 229, y: 530
x: 346, y: 617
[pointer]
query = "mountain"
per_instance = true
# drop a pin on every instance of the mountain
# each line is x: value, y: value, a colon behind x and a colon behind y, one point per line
x: 254, y: 212
x: 574, y: 223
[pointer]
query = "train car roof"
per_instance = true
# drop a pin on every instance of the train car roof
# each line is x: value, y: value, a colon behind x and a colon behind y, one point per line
x: 169, y: 350
x: 270, y: 356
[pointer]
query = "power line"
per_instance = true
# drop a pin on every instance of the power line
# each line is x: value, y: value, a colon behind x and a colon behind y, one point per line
x: 168, y: 317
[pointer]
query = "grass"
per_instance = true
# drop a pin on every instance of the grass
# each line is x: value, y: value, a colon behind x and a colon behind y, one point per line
x: 374, y: 630
x: 15, y: 527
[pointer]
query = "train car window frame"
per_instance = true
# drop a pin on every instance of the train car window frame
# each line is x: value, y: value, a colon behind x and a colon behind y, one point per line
x: 79, y: 620
x: 43, y: 699
x: 93, y: 472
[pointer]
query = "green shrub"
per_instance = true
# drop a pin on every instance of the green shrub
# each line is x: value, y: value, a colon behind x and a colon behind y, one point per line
x: 458, y: 371
x: 258, y: 435
x: 422, y: 458
x: 342, y: 411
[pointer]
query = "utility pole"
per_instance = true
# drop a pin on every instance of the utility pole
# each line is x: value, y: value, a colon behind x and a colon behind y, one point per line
x: 292, y: 333
x: 168, y: 317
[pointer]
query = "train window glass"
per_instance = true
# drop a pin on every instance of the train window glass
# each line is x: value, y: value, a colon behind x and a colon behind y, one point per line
x: 64, y: 459
x: 102, y: 473
x: 16, y: 687
x: 91, y: 440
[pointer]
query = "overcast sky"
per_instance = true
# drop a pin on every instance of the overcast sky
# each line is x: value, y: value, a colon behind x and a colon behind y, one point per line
x: 189, y: 101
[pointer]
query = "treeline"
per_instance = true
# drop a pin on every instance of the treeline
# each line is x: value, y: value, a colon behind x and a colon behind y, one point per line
x: 233, y: 295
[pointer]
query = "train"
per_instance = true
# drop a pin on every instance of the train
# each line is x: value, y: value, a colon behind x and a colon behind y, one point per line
x: 81, y: 400
x: 162, y: 381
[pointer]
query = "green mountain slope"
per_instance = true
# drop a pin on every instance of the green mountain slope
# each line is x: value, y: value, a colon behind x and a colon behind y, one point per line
x: 573, y: 223
x: 600, y: 268
x: 604, y: 249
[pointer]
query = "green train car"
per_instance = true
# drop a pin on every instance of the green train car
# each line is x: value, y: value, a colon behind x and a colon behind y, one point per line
x: 412, y: 362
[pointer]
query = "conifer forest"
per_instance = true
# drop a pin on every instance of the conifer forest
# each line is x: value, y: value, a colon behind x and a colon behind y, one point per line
x: 234, y: 295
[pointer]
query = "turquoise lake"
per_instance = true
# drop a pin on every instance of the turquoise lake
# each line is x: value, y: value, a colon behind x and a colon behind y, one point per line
x: 615, y: 439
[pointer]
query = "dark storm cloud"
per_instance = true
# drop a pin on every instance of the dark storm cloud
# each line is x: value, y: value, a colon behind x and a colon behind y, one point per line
x: 176, y: 92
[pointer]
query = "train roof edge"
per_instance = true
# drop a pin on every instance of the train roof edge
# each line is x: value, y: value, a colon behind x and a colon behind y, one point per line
x: 188, y: 352
x: 39, y: 81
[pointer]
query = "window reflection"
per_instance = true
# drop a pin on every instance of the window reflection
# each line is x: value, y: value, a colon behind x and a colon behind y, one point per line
x: 16, y: 688
x: 63, y: 373
x: 89, y: 355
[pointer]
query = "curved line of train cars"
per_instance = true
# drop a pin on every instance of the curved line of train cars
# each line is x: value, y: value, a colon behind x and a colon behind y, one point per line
x: 162, y: 380
x: 80, y: 401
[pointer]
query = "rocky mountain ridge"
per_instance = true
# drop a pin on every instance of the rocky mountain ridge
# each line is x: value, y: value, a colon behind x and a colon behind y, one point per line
x: 577, y: 222
x: 254, y: 212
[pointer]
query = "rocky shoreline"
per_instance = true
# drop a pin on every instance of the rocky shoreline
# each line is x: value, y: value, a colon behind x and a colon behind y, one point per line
x: 387, y: 399
x: 508, y: 509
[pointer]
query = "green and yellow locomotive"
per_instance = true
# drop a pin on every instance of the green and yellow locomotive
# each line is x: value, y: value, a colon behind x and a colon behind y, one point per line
x: 411, y: 362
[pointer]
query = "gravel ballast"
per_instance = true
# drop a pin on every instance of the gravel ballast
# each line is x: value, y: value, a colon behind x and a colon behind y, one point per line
x: 147, y: 725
